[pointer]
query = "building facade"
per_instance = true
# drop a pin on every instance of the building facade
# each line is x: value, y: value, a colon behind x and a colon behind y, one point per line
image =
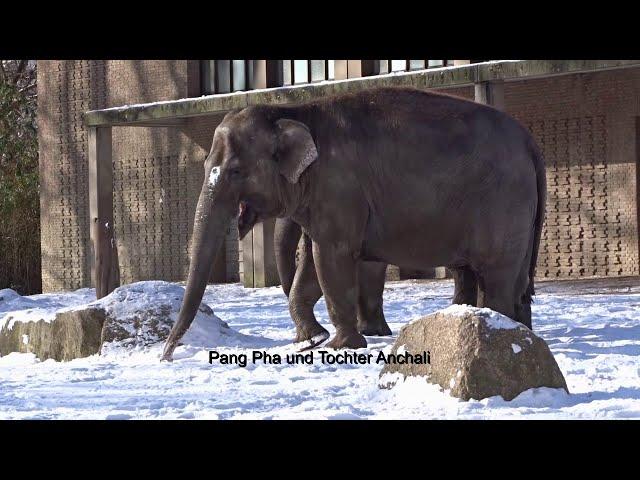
x: 587, y: 125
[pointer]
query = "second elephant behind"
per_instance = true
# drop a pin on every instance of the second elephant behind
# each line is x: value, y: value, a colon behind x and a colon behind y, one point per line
x: 302, y: 288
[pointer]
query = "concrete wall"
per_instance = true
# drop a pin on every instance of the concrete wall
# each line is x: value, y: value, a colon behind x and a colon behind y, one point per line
x: 584, y: 123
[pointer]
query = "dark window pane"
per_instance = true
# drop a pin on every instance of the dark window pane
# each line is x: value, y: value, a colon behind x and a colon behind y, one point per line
x: 250, y: 81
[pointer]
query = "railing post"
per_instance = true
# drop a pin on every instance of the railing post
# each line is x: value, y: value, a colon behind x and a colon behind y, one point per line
x: 104, y: 259
x: 490, y: 93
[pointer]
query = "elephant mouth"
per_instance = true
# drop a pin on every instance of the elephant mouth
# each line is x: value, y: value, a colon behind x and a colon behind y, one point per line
x: 247, y: 218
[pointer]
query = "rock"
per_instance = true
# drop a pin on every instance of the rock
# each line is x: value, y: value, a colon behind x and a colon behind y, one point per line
x: 135, y: 315
x: 143, y: 313
x: 70, y: 335
x: 76, y: 333
x: 475, y: 353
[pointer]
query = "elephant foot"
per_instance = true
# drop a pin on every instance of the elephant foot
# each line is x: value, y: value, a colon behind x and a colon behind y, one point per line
x: 374, y: 330
x: 306, y: 341
x: 350, y: 339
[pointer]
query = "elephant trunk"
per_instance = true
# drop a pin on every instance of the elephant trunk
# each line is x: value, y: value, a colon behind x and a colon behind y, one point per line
x: 211, y: 222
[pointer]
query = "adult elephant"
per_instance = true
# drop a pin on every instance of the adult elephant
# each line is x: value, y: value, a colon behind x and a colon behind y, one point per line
x: 394, y: 175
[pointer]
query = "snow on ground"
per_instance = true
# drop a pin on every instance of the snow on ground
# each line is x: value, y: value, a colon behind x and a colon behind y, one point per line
x: 594, y: 337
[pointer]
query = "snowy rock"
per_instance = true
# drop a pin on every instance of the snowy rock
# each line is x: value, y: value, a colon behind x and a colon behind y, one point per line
x: 474, y: 353
x: 135, y: 315
x: 143, y: 313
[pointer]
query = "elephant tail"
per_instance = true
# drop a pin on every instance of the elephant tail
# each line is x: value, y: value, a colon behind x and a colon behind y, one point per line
x: 541, y: 182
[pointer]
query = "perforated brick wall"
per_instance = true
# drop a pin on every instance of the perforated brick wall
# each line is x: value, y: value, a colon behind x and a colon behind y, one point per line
x: 158, y: 172
x: 586, y: 127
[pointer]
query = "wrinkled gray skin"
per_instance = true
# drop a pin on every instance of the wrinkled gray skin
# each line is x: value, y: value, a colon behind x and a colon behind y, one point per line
x: 302, y: 288
x: 392, y: 175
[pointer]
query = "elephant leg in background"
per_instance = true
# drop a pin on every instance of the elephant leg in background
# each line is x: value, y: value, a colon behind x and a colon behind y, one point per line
x: 466, y: 286
x: 496, y: 289
x: 285, y: 238
x: 336, y: 267
x: 371, y: 277
x: 305, y: 292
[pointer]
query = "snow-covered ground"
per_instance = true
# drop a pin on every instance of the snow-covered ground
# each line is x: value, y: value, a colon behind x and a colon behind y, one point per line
x: 595, y: 338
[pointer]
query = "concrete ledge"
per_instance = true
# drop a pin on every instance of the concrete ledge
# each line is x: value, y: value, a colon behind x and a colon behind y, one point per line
x: 170, y: 113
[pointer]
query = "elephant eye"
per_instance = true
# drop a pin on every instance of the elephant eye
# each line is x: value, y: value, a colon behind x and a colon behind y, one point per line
x: 236, y: 174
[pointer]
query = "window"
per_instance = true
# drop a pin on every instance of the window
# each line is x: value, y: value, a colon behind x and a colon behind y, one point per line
x: 225, y: 76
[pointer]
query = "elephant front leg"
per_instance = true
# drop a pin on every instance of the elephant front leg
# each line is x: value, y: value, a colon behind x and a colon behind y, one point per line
x: 303, y: 295
x: 336, y: 268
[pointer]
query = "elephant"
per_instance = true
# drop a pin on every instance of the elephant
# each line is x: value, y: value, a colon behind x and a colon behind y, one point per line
x: 394, y: 175
x: 307, y: 291
x: 371, y: 278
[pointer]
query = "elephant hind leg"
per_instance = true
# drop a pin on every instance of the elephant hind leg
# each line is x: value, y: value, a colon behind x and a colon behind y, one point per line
x: 371, y: 321
x: 285, y: 238
x: 496, y: 289
x: 466, y: 286
x: 523, y: 300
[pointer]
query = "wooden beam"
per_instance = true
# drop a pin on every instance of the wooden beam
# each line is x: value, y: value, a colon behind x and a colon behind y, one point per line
x: 265, y: 271
x: 247, y: 260
x: 104, y: 269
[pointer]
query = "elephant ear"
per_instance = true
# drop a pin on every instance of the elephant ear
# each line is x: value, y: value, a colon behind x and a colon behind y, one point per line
x: 295, y: 149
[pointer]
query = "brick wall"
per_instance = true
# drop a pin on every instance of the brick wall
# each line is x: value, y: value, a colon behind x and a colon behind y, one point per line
x: 158, y: 172
x: 586, y: 127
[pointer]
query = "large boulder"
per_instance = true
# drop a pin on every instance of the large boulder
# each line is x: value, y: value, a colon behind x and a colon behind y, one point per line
x: 135, y: 315
x: 28, y: 325
x: 474, y: 353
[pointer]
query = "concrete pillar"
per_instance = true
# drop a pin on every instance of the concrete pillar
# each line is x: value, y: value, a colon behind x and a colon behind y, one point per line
x: 104, y: 259
x: 490, y: 93
x: 259, y: 258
